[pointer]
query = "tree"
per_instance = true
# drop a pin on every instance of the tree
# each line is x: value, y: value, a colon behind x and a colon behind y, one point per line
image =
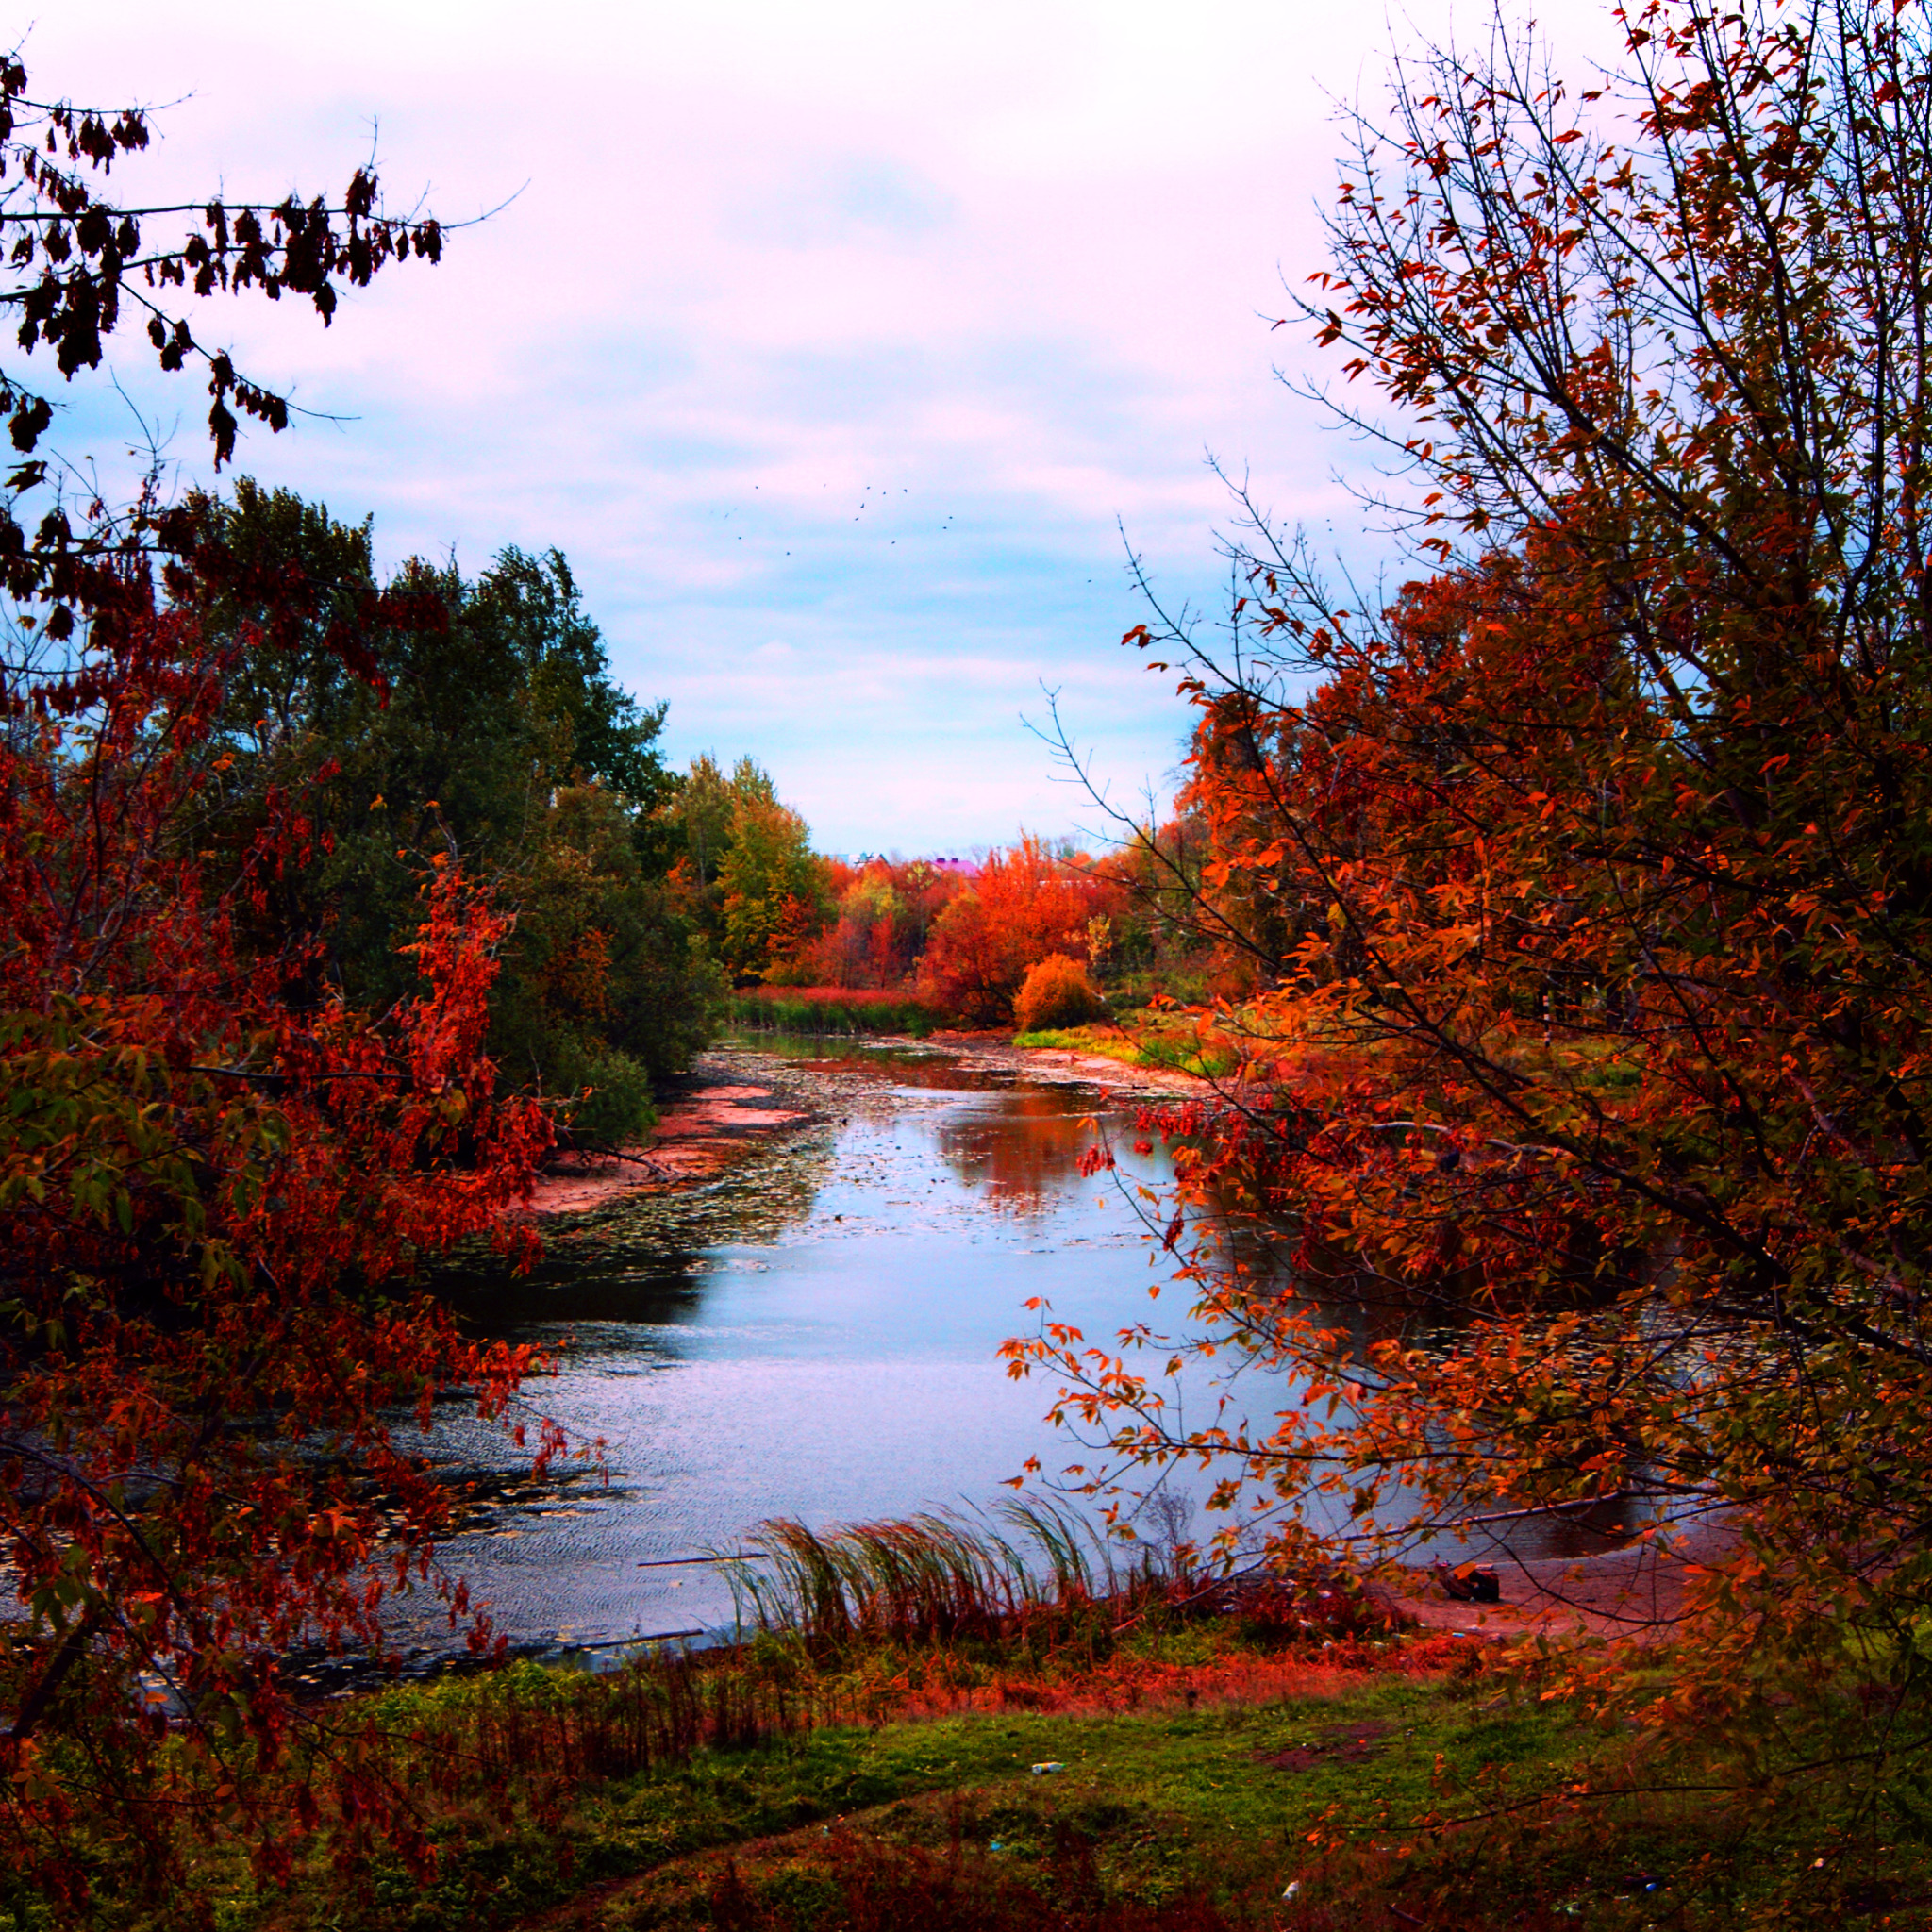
x: 1022, y: 905
x: 82, y: 266
x: 745, y: 866
x: 485, y: 726
x: 773, y: 885
x: 215, y: 1187
x: 1597, y: 1052
x: 886, y: 910
x: 217, y: 1174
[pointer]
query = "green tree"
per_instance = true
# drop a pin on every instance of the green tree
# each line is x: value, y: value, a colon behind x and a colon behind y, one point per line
x: 491, y: 734
x: 773, y: 888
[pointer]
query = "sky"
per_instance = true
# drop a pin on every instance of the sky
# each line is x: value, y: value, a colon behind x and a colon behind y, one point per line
x: 842, y: 349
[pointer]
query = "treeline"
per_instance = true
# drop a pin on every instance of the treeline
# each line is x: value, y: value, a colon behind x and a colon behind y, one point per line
x: 966, y: 940
x: 434, y: 721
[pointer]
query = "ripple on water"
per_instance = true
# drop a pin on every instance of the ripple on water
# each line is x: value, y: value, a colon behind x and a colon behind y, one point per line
x: 812, y: 1333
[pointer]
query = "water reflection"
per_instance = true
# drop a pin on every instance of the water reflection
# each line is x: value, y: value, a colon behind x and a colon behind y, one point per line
x: 1021, y: 1155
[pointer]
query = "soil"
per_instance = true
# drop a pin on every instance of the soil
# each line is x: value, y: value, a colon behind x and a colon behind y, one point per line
x: 708, y: 1122
x: 1635, y: 1591
x: 1344, y: 1743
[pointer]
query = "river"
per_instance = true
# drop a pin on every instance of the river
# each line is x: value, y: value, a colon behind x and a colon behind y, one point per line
x: 813, y: 1334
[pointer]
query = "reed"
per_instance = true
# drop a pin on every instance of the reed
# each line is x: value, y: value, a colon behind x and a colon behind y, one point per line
x: 1030, y: 1573
x: 832, y: 1009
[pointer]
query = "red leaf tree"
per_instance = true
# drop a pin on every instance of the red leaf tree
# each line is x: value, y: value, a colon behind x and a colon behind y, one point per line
x: 1591, y: 884
x: 215, y: 1187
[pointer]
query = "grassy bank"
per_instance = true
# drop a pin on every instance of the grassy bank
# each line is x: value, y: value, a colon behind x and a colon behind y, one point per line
x: 822, y: 1009
x: 1197, y: 1782
x: 922, y: 1731
x: 1136, y: 1046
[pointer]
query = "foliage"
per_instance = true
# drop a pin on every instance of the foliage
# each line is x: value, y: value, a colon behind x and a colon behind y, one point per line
x: 486, y: 728
x: 745, y: 868
x: 1596, y: 871
x: 1023, y: 904
x: 82, y: 264
x: 886, y: 910
x: 1057, y: 992
x: 213, y: 1184
x: 771, y: 885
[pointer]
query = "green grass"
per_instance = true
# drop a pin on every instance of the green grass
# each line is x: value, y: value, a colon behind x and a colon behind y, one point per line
x: 1166, y: 1803
x: 818, y: 1010
x: 1460, y: 1801
x: 1137, y: 1046
x: 866, y: 1762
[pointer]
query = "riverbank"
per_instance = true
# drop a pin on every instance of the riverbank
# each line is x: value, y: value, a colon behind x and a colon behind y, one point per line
x: 1060, y: 1063
x: 737, y: 1097
x: 1194, y: 1780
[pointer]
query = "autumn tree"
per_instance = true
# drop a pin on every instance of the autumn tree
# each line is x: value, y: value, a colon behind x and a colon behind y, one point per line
x: 216, y: 1174
x: 885, y: 914
x: 215, y: 1187
x: 1597, y: 1050
x: 746, y: 867
x: 1021, y: 904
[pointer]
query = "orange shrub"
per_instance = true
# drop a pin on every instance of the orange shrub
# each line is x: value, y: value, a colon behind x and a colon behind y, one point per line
x: 1057, y: 993
x: 1025, y: 904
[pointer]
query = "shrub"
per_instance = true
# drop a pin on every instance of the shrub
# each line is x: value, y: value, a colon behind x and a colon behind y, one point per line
x: 1057, y: 993
x: 614, y: 1102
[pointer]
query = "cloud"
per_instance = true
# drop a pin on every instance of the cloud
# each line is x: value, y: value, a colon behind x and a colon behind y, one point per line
x: 829, y: 343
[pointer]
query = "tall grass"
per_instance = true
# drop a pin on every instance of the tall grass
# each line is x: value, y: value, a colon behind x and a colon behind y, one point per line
x: 1031, y: 1572
x: 843, y: 1010
x: 475, y: 1737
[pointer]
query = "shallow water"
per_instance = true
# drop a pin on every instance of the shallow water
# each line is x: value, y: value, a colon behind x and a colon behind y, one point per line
x: 815, y: 1335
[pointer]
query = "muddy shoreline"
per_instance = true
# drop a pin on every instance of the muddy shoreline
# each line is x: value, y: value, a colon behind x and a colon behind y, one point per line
x: 737, y: 1098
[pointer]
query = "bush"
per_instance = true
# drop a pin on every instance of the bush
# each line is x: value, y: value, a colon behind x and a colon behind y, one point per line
x: 615, y: 1099
x: 1057, y: 993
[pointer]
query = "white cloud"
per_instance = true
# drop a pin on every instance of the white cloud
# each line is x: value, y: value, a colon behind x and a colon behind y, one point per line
x: 827, y: 343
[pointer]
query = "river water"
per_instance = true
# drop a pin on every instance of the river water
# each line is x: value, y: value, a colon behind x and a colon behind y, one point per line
x: 813, y: 1335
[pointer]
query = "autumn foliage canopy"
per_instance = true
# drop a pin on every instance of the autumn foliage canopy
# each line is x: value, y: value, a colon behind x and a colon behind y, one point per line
x: 1591, y: 884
